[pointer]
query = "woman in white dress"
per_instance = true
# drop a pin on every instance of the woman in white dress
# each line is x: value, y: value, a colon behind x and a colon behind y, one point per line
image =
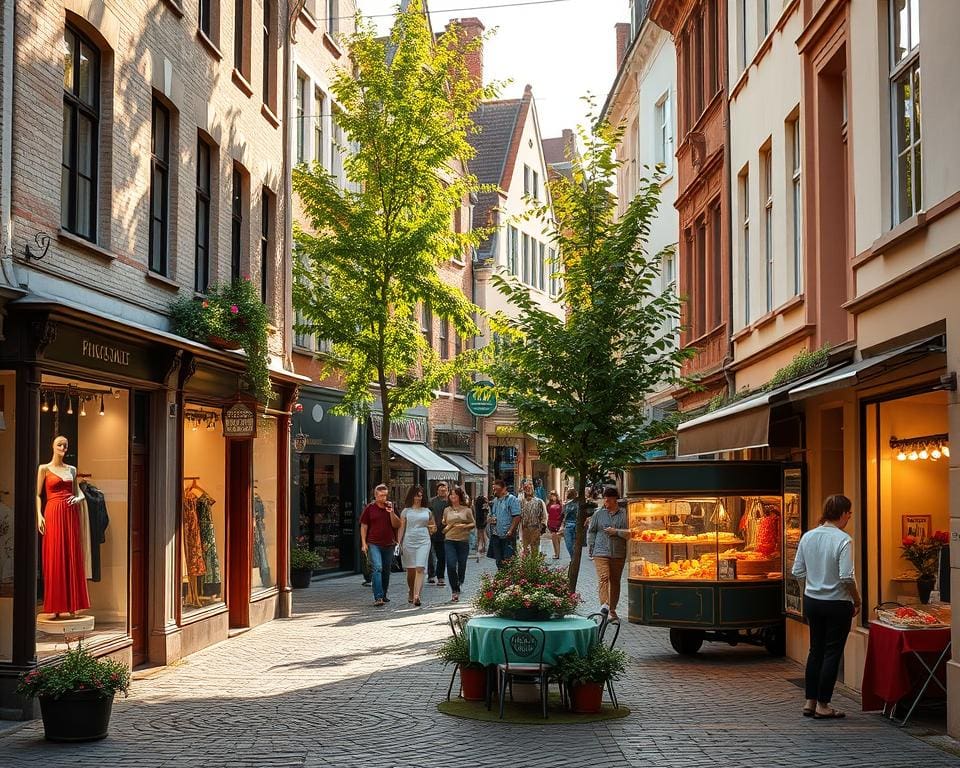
x: 416, y: 526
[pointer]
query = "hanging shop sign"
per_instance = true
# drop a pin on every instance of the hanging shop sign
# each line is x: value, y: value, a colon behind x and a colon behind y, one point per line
x: 481, y: 405
x: 239, y: 420
x: 408, y: 428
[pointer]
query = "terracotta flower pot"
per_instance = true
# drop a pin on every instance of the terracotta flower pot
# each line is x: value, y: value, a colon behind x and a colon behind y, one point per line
x: 474, y: 682
x: 586, y: 698
x: 221, y: 343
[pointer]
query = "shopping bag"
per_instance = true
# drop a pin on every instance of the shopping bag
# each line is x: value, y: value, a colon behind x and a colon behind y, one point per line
x: 396, y: 565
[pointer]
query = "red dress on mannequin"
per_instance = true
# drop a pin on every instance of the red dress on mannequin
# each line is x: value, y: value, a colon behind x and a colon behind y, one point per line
x: 64, y: 580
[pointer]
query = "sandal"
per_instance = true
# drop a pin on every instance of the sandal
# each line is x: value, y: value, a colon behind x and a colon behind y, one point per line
x: 441, y: 583
x: 378, y: 603
x: 833, y: 714
x: 417, y: 602
x: 808, y: 711
x: 456, y: 597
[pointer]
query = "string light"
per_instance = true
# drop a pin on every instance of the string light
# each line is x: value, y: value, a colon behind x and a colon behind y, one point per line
x: 55, y: 407
x: 921, y: 448
x: 69, y: 406
x: 901, y: 456
x: 44, y: 407
x: 83, y: 407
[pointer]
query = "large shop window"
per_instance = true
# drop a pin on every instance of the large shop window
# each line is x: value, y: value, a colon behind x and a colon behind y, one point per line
x: 8, y: 381
x: 203, y: 514
x: 82, y: 586
x: 907, y: 490
x: 265, y: 487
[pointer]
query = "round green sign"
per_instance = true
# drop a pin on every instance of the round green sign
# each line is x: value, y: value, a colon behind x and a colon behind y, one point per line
x: 481, y: 405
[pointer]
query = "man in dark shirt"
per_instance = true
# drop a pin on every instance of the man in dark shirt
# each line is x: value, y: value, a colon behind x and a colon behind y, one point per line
x: 378, y: 524
x: 437, y: 504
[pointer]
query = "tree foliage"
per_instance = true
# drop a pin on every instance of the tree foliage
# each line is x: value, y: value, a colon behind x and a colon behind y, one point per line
x: 579, y: 382
x: 370, y: 260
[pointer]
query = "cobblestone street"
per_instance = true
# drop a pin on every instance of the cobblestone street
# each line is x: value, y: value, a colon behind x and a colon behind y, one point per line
x: 346, y: 684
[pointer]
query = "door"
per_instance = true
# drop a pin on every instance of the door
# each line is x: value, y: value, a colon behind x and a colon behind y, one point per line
x: 139, y: 527
x: 239, y: 530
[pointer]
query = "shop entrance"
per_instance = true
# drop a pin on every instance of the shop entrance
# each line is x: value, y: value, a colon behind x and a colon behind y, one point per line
x: 139, y: 526
x: 239, y: 531
x: 327, y: 508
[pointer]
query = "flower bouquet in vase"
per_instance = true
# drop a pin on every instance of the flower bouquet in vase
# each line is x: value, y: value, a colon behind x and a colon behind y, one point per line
x: 923, y: 553
x: 527, y: 589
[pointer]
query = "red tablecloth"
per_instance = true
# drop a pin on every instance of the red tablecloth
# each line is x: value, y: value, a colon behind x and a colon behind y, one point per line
x: 890, y: 670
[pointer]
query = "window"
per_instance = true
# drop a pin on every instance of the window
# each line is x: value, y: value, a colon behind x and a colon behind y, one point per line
x: 201, y: 278
x: 554, y: 271
x: 742, y: 16
x: 526, y: 259
x: 336, y: 146
x: 541, y: 266
x: 767, y: 165
x: 664, y: 132
x: 332, y: 20
x: 300, y: 98
x: 716, y: 301
x: 905, y: 108
x: 266, y: 220
x: 765, y: 17
x: 698, y: 66
x: 797, y: 205
x: 700, y: 278
x: 536, y: 185
x: 236, y: 231
x: 159, y: 187
x: 713, y: 62
x: 512, y: 250
x: 269, y: 55
x: 318, y: 106
x: 81, y: 129
x: 426, y: 323
x: 669, y: 277
x: 745, y: 242
x: 239, y: 35
x: 204, y: 17
x: 442, y: 338
x: 685, y: 91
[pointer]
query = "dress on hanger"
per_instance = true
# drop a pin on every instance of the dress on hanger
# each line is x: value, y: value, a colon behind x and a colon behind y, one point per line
x: 64, y: 574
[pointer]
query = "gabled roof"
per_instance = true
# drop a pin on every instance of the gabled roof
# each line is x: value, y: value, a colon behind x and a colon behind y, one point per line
x: 496, y: 123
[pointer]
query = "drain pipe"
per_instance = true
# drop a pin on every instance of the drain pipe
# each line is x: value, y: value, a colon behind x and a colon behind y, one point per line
x: 728, y: 168
x: 7, y: 272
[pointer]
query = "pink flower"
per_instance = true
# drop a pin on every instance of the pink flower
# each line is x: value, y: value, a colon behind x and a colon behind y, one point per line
x: 234, y: 309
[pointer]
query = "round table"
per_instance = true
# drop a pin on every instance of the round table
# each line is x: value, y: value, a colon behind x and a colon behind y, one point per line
x: 571, y: 633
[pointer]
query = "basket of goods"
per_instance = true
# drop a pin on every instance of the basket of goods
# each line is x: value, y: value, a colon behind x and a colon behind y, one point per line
x: 907, y: 617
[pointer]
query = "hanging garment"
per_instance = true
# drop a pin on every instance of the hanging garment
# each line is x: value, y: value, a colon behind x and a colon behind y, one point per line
x: 192, y: 547
x: 208, y: 540
x: 64, y: 579
x: 96, y: 510
x: 260, y: 541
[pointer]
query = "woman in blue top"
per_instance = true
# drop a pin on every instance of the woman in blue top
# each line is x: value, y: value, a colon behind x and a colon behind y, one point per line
x: 570, y: 521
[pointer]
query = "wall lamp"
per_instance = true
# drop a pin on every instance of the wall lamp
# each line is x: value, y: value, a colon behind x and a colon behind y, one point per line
x: 923, y: 447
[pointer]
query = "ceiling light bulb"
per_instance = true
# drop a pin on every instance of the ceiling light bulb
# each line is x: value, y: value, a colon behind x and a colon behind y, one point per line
x: 935, y: 454
x: 44, y: 407
x: 923, y: 453
x: 913, y: 456
x: 194, y: 427
x: 101, y: 405
x: 83, y: 407
x: 55, y: 407
x: 69, y: 406
x: 901, y: 456
x: 945, y: 450
x: 210, y: 425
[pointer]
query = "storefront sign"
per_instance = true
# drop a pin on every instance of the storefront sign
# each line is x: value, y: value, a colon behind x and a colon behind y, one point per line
x: 105, y: 352
x: 481, y: 405
x: 453, y: 440
x: 87, y: 349
x: 407, y: 428
x: 239, y: 420
x: 323, y: 431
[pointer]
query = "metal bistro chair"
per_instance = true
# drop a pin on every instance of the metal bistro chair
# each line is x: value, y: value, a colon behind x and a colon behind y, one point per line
x: 614, y: 625
x: 528, y: 644
x: 601, y: 618
x: 458, y: 621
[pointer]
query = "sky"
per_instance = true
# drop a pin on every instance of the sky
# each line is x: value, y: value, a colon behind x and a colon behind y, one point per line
x: 563, y: 48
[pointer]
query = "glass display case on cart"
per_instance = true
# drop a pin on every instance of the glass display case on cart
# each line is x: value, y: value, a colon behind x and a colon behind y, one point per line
x: 705, y: 554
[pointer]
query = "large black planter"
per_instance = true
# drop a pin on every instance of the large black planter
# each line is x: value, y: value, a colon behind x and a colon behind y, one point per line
x: 300, y: 577
x: 76, y: 716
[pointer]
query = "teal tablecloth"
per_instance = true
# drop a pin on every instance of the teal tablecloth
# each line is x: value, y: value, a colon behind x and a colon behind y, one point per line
x: 573, y: 633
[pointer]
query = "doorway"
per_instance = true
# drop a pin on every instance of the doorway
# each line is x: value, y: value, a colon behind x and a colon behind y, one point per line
x: 139, y: 525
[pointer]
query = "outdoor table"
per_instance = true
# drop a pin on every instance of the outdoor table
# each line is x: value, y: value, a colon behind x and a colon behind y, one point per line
x: 571, y: 633
x: 889, y: 674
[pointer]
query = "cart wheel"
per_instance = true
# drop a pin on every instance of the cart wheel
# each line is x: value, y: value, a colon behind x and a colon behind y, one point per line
x: 775, y: 640
x: 686, y: 641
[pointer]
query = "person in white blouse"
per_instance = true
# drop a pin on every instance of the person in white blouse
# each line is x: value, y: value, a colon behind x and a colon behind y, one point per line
x: 830, y: 601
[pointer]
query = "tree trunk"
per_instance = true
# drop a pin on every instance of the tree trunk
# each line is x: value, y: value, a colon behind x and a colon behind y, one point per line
x: 573, y: 573
x: 385, y: 433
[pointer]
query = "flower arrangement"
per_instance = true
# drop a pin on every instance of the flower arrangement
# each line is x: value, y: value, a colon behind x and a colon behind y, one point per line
x: 302, y: 557
x: 526, y: 585
x: 924, y: 553
x: 230, y: 314
x: 77, y: 671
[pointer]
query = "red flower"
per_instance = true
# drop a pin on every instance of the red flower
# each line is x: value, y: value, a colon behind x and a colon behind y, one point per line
x: 234, y: 309
x: 488, y: 594
x: 205, y: 304
x: 942, y: 537
x: 909, y: 541
x: 527, y: 603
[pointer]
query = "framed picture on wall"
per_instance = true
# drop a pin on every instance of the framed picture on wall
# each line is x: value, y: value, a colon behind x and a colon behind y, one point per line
x: 916, y: 525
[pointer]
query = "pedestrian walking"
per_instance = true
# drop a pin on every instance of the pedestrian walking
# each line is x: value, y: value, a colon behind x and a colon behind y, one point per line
x: 458, y: 524
x: 504, y: 520
x: 533, y: 518
x: 606, y: 541
x: 830, y: 601
x: 416, y: 528
x: 437, y: 504
x: 481, y: 511
x: 570, y: 511
x: 554, y: 521
x: 378, y: 525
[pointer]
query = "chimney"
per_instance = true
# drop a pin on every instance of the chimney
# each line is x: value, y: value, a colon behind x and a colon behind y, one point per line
x: 471, y: 29
x: 569, y: 143
x: 623, y: 41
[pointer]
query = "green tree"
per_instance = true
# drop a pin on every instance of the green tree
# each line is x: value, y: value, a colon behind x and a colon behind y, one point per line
x: 579, y: 382
x: 369, y: 266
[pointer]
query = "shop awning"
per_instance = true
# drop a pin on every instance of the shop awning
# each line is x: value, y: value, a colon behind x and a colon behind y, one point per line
x: 468, y: 468
x: 436, y: 467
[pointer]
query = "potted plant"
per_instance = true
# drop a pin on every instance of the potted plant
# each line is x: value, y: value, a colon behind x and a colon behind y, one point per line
x: 585, y: 676
x: 76, y: 694
x: 527, y: 589
x: 473, y: 677
x: 924, y: 555
x: 230, y: 316
x: 303, y: 562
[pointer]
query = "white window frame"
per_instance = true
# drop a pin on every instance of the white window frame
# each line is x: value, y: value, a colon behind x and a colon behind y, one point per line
x: 300, y: 107
x: 796, y: 196
x: 907, y: 68
x: 745, y: 241
x: 664, y: 131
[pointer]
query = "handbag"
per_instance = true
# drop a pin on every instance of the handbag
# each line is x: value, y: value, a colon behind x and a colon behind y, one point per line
x: 396, y: 565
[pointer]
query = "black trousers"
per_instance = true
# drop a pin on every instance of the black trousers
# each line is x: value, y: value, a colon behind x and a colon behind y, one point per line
x: 437, y: 562
x: 829, y: 622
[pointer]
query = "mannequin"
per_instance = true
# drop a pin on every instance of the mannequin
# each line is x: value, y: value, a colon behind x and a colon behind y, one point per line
x: 64, y: 577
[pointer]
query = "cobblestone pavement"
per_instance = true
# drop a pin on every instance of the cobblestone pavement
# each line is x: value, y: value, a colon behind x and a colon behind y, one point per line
x: 345, y: 684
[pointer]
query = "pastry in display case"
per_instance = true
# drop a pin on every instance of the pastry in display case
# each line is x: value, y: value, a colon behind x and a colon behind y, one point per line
x: 705, y: 553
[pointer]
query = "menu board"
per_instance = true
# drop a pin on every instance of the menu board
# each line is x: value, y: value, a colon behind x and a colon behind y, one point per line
x: 793, y: 525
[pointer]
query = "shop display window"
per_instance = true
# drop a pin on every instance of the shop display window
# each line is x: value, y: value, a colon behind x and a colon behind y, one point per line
x: 82, y: 588
x: 705, y: 538
x: 203, y: 511
x: 265, y: 489
x: 8, y: 422
x: 907, y: 457
x: 793, y: 528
